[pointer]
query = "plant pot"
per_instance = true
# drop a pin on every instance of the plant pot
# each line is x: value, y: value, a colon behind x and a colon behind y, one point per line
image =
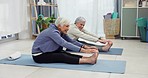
x: 44, y: 26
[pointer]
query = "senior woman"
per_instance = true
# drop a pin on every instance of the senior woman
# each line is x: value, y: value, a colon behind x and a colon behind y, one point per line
x: 77, y: 30
x: 48, y: 46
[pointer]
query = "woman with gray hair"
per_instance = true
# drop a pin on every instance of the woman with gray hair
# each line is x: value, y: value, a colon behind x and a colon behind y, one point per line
x: 48, y: 46
x: 77, y: 31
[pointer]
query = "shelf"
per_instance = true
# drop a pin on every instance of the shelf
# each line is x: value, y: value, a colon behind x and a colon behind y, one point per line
x: 143, y: 7
x: 35, y: 34
x: 34, y: 18
x: 130, y: 7
x: 47, y: 4
x: 135, y: 7
x: 46, y: 10
x: 130, y: 12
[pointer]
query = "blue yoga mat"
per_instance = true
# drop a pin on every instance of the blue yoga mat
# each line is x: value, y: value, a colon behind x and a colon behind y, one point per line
x: 113, y: 51
x: 101, y: 65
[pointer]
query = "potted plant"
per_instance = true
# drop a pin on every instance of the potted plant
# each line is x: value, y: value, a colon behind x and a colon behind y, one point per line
x: 42, y: 23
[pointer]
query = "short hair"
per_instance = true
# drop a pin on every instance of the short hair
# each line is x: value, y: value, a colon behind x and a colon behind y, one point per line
x: 62, y: 21
x: 80, y: 19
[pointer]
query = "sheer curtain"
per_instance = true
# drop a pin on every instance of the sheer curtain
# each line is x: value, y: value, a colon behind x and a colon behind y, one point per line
x: 72, y: 9
x: 104, y: 7
x: 91, y: 10
x: 13, y: 16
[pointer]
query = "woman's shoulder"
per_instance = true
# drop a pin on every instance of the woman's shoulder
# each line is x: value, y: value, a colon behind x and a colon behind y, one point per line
x: 72, y: 25
x: 52, y: 30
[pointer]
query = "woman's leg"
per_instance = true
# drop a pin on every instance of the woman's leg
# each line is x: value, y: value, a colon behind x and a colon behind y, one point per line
x: 87, y: 60
x: 64, y: 57
x: 57, y: 57
x: 100, y: 48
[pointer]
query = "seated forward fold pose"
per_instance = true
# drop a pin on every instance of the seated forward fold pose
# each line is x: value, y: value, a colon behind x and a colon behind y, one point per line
x: 77, y: 30
x: 48, y: 46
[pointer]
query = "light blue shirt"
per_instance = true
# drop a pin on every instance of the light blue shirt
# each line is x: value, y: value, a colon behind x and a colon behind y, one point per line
x: 50, y: 40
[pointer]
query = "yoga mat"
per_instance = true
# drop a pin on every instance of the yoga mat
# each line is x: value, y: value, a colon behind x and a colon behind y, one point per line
x: 113, y: 51
x: 108, y: 66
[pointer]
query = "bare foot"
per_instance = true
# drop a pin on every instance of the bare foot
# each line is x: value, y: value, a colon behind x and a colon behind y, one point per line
x: 89, y: 60
x: 93, y: 58
x: 107, y: 47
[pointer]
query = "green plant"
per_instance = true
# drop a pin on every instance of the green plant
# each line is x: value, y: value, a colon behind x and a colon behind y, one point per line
x: 44, y: 23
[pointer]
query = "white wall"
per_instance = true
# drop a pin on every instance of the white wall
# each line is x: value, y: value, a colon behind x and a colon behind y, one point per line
x: 26, y: 34
x: 14, y: 17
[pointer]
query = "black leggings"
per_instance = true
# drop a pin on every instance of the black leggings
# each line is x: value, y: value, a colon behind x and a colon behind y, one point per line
x: 57, y: 57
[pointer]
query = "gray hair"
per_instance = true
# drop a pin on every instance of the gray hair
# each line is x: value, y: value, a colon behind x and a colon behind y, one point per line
x: 80, y: 19
x: 62, y: 21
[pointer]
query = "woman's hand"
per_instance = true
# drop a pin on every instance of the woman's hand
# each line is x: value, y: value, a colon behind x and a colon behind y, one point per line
x: 94, y: 50
x: 93, y: 47
x: 90, y: 47
x: 89, y: 50
x: 86, y: 47
x: 103, y: 41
